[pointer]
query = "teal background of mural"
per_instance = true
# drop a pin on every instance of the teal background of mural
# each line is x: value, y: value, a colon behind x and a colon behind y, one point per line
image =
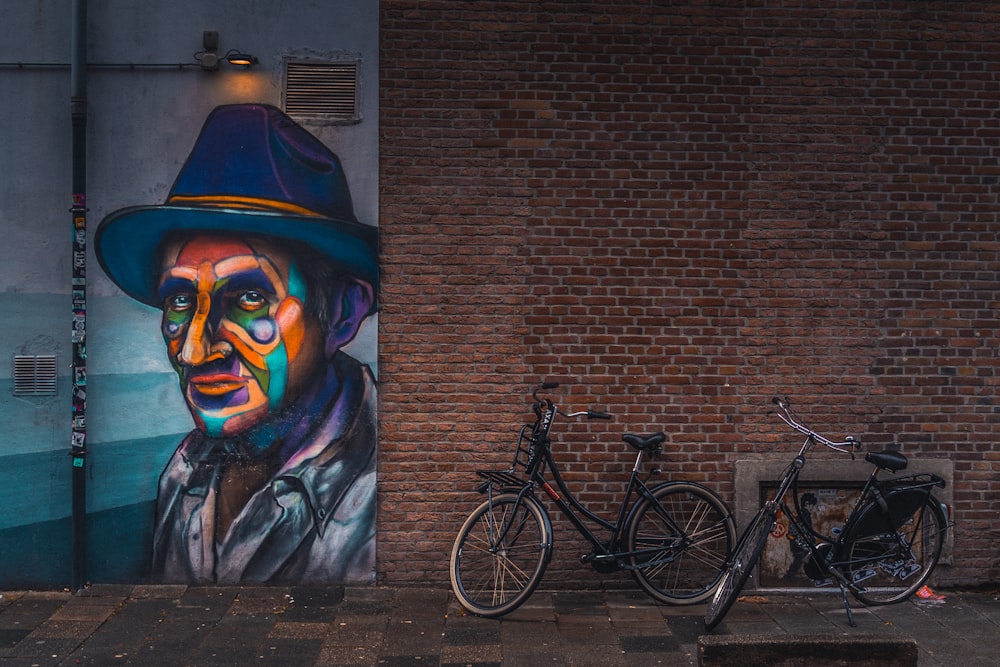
x: 141, y: 418
x: 140, y: 128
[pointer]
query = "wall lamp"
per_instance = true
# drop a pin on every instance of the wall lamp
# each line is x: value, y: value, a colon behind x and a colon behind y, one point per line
x: 208, y: 58
x: 241, y: 59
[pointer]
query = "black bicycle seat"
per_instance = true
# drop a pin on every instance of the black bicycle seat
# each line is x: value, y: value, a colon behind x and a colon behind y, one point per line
x: 891, y: 461
x: 644, y: 442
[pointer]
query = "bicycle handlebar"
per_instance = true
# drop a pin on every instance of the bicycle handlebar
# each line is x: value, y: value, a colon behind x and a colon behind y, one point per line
x: 589, y: 414
x: 545, y: 386
x: 848, y: 446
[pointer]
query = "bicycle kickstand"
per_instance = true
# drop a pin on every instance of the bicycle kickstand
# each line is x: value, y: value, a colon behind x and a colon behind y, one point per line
x: 844, y: 584
x: 847, y: 606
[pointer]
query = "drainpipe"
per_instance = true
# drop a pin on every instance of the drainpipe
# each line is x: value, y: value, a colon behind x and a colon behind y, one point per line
x: 78, y: 450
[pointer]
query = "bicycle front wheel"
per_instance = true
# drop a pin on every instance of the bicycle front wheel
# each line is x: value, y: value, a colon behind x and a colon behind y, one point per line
x: 679, y: 542
x: 889, y: 567
x: 740, y: 565
x: 500, y: 554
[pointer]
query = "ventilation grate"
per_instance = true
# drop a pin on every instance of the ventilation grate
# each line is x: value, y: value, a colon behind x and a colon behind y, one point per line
x: 329, y: 90
x: 35, y: 375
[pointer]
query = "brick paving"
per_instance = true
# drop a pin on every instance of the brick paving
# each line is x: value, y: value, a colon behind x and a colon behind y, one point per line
x: 174, y: 626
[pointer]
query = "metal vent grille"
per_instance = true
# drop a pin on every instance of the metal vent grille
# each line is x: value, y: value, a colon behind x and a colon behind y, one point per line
x: 35, y: 375
x: 329, y: 90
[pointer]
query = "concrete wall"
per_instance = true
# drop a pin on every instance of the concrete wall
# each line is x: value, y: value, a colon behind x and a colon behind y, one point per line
x: 142, y: 123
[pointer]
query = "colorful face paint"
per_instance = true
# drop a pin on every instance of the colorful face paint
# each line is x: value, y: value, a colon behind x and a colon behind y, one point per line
x: 236, y: 329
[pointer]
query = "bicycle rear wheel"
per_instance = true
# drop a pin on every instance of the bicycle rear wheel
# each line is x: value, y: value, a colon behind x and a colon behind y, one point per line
x: 680, y: 542
x: 740, y: 565
x: 500, y: 554
x: 892, y: 566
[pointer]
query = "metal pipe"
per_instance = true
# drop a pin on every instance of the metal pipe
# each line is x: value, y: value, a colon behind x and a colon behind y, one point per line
x: 32, y: 66
x: 78, y: 447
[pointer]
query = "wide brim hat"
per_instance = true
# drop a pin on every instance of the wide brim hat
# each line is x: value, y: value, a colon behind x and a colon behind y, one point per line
x: 253, y: 171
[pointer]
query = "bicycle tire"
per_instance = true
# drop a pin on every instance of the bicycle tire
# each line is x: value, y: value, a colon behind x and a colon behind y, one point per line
x: 740, y: 565
x: 882, y: 562
x: 489, y: 580
x: 690, y: 562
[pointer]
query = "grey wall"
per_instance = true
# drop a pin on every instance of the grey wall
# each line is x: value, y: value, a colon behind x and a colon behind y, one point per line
x: 141, y: 124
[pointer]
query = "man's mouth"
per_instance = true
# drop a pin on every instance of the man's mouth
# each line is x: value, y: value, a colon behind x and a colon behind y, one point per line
x: 216, y: 386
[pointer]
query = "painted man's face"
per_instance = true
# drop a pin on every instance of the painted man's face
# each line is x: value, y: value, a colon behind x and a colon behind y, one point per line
x: 237, y: 330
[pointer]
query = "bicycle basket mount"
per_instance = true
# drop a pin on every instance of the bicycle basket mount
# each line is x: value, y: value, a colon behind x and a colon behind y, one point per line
x: 524, y: 449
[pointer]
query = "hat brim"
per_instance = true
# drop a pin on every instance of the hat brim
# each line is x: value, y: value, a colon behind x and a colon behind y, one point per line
x: 128, y: 241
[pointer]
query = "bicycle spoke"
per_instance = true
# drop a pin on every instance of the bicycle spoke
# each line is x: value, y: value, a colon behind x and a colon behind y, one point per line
x: 890, y: 567
x: 740, y: 566
x: 679, y: 543
x: 499, y: 555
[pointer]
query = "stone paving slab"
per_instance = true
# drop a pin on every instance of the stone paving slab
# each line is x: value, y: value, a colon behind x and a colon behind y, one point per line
x: 829, y: 650
x: 175, y: 626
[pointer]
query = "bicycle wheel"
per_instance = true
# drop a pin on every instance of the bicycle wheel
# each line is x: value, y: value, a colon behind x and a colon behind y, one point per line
x: 889, y: 567
x: 679, y: 542
x: 740, y: 565
x: 500, y: 554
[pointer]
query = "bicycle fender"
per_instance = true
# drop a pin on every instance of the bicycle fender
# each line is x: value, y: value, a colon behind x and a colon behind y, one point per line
x: 547, y: 524
x: 886, y: 512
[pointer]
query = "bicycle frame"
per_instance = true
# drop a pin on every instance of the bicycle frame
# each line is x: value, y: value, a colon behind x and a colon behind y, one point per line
x: 606, y: 554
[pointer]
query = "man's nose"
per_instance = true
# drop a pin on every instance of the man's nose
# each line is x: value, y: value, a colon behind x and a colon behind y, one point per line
x: 200, y: 340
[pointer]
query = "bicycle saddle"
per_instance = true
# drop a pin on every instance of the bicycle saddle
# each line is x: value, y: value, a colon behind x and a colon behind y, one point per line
x: 644, y: 442
x: 891, y: 461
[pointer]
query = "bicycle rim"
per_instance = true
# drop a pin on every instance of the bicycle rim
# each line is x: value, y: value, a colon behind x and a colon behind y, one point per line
x: 500, y: 555
x: 680, y: 567
x: 890, y: 567
x: 740, y: 566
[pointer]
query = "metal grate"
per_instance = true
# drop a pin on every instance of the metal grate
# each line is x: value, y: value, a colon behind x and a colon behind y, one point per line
x: 327, y: 89
x: 35, y: 375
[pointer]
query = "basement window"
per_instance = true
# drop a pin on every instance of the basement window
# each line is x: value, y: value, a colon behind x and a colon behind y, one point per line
x: 322, y: 90
x: 35, y: 375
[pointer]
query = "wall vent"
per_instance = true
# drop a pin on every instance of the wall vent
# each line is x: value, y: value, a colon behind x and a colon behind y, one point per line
x: 35, y: 375
x: 324, y: 90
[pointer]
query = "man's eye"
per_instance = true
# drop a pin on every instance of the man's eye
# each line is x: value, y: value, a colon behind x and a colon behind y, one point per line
x: 252, y: 300
x: 179, y: 302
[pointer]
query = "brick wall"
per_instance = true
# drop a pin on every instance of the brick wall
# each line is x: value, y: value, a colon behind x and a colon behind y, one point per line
x: 678, y: 212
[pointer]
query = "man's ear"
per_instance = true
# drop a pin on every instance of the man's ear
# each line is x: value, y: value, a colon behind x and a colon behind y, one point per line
x: 349, y: 305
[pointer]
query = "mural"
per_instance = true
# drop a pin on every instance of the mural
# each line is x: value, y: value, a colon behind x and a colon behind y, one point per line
x: 262, y: 275
x: 825, y: 509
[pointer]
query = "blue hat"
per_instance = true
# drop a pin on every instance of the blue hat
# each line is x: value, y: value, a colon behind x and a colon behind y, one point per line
x: 252, y: 171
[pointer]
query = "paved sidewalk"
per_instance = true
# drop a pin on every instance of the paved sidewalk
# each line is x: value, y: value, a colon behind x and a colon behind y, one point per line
x: 202, y: 627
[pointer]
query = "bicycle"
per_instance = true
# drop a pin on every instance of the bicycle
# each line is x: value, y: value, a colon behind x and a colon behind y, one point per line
x: 674, y: 540
x: 886, y: 550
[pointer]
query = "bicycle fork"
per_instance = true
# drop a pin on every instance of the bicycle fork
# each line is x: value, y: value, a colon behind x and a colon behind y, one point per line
x: 503, y: 533
x: 498, y: 538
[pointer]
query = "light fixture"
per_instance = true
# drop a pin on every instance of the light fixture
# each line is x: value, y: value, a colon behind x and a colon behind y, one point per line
x: 208, y: 59
x: 241, y: 59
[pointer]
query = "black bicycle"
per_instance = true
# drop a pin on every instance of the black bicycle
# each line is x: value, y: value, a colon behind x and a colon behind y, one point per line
x: 674, y: 540
x: 886, y: 550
